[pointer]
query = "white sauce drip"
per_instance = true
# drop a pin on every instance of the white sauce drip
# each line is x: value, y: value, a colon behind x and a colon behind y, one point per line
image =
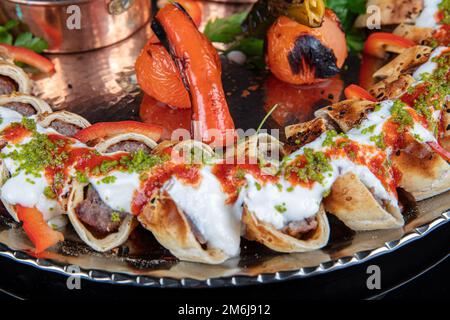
x: 299, y: 202
x: 118, y: 195
x: 205, y: 205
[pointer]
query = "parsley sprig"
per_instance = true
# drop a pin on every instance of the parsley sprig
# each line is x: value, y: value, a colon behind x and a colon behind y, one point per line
x: 22, y: 39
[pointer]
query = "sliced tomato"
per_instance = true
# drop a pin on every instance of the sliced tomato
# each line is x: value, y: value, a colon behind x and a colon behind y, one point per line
x: 283, y: 43
x: 157, y: 113
x: 158, y: 76
x: 29, y: 57
x: 376, y: 43
x: 356, y: 92
x: 439, y: 150
x: 101, y: 130
x: 37, y: 230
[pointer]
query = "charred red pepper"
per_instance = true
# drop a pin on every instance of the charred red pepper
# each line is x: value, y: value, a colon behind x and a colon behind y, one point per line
x: 369, y: 65
x: 29, y: 57
x: 199, y: 71
x: 37, y: 230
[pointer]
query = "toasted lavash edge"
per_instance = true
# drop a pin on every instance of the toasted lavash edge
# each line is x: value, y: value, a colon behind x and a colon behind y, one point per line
x: 103, y: 145
x: 17, y: 74
x: 111, y: 241
x: 173, y: 231
x: 406, y: 61
x: 423, y: 177
x: 352, y: 202
x: 39, y: 105
x: 280, y: 242
x: 46, y: 119
x: 346, y: 114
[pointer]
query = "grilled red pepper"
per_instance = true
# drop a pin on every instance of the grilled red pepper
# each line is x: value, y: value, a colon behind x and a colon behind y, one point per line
x: 200, y: 73
x: 29, y: 57
x: 376, y: 43
x: 106, y: 129
x: 37, y: 230
x: 356, y: 92
x: 369, y: 65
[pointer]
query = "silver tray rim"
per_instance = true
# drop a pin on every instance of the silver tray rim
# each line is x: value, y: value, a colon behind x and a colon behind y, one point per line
x: 108, y: 277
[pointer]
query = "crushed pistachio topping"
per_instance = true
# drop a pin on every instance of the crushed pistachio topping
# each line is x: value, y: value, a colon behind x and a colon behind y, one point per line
x: 436, y: 90
x: 444, y: 7
x: 379, y: 141
x: 330, y: 136
x: 115, y: 217
x: 313, y: 168
x: 109, y: 179
x: 281, y: 208
x: 368, y: 130
x: 48, y: 192
x: 401, y: 115
x: 37, y: 154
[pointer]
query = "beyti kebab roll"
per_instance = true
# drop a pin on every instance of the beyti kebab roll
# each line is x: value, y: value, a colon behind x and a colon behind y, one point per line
x: 186, y: 208
x: 419, y: 77
x: 282, y: 215
x: 356, y: 178
x: 100, y: 204
x: 13, y: 78
x: 396, y: 127
x: 33, y: 170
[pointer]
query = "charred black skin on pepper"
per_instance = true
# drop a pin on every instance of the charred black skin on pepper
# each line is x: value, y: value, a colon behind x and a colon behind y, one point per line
x: 315, y: 54
x: 161, y: 34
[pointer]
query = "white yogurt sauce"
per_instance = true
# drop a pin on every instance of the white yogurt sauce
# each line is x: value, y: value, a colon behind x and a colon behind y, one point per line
x: 281, y: 203
x: 376, y: 121
x: 427, y: 18
x: 299, y: 202
x: 25, y: 189
x: 117, y: 194
x: 205, y: 205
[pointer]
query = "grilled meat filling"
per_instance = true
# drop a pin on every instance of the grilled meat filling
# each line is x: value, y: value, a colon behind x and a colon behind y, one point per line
x: 65, y: 128
x: 298, y: 229
x: 98, y: 216
x: 128, y: 146
x: 24, y: 109
x: 7, y: 85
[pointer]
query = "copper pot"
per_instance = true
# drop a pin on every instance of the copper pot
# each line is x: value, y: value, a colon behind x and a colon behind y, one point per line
x: 79, y: 25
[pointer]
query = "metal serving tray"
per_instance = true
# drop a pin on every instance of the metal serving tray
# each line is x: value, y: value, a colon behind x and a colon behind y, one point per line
x: 100, y: 85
